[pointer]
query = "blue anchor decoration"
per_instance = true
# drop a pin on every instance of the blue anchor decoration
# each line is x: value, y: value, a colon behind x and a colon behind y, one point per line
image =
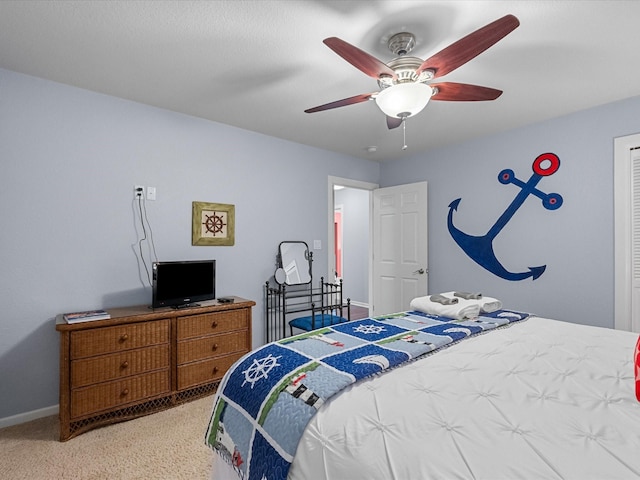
x: 480, y: 248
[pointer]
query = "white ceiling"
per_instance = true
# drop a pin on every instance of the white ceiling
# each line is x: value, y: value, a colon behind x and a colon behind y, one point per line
x: 258, y: 64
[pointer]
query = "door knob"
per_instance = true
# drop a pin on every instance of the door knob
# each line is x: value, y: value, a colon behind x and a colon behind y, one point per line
x: 420, y: 271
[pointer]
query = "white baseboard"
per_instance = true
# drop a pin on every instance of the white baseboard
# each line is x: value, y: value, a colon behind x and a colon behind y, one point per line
x: 28, y: 416
x: 360, y: 304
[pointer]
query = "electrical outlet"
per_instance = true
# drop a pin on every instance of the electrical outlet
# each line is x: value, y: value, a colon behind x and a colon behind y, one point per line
x: 138, y: 191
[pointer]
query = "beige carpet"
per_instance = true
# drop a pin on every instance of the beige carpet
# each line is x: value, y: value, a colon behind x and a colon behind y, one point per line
x: 165, y: 445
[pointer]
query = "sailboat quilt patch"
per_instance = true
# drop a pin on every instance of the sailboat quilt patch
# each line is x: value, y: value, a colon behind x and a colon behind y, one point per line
x: 267, y: 398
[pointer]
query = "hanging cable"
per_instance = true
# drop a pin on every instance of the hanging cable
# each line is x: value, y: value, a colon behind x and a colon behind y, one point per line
x: 153, y: 245
x: 144, y: 238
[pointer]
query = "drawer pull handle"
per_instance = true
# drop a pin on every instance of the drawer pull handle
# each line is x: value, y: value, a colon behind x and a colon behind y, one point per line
x: 214, y: 324
x: 215, y: 370
x: 123, y: 337
x: 124, y: 392
x: 214, y: 347
x: 124, y: 364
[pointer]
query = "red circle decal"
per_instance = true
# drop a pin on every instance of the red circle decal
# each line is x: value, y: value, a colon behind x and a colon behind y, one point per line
x: 550, y: 158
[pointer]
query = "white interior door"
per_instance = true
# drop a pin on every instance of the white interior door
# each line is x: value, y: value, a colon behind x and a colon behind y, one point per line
x: 399, y: 268
x: 627, y: 232
x: 635, y: 240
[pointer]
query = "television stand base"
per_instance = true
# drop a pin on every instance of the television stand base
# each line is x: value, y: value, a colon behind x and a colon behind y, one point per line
x: 186, y: 305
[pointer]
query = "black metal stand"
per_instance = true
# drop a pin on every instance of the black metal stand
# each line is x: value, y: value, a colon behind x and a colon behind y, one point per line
x: 283, y: 302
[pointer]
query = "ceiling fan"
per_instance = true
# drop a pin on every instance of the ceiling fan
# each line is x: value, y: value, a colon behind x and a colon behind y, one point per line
x: 404, y: 81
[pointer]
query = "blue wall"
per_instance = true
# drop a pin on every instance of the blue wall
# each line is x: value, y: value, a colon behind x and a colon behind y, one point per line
x: 574, y: 241
x: 70, y: 159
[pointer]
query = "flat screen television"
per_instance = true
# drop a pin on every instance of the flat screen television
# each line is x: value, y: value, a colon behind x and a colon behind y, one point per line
x: 178, y: 284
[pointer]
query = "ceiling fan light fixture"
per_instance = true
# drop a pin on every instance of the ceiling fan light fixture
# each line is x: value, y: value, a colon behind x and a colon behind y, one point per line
x: 404, y: 99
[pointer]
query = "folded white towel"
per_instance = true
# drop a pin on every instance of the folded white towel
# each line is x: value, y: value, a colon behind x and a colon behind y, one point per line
x: 457, y: 311
x: 486, y: 304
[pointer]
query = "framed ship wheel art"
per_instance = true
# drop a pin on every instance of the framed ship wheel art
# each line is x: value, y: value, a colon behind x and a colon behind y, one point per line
x: 213, y: 224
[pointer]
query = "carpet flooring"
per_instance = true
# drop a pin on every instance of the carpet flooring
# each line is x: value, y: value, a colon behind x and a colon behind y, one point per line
x: 166, y: 445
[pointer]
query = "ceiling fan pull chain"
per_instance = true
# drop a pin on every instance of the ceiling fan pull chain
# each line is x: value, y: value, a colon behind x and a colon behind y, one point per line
x: 404, y: 133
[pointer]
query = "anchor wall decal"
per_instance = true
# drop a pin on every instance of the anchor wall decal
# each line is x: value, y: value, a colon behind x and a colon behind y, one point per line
x: 480, y: 248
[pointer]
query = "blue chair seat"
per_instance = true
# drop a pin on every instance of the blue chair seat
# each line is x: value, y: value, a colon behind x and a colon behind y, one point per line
x: 324, y: 320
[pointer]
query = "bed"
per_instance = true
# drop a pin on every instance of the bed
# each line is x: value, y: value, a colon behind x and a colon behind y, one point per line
x: 533, y: 398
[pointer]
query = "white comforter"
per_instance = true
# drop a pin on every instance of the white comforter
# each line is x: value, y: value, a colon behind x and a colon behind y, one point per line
x: 539, y: 400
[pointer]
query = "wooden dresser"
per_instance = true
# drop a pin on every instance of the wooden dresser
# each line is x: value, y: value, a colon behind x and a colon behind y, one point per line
x: 142, y: 361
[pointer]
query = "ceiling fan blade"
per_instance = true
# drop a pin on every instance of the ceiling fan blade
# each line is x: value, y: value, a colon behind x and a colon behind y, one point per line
x: 359, y: 59
x: 463, y: 92
x: 363, y: 97
x: 460, y: 52
x: 393, y: 122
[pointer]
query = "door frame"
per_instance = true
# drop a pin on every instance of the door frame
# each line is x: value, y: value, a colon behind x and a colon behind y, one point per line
x: 623, y: 255
x: 349, y: 183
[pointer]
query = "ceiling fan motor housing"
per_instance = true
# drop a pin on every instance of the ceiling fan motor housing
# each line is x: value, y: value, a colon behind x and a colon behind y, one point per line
x: 405, y: 69
x: 401, y: 43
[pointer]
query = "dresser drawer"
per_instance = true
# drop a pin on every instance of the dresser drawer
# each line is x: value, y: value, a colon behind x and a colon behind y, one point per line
x: 206, y: 371
x: 104, y: 396
x: 97, y: 341
x: 212, y: 346
x: 88, y: 371
x: 212, y: 323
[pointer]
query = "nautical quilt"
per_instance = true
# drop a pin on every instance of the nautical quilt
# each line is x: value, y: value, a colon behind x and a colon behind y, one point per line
x: 267, y: 398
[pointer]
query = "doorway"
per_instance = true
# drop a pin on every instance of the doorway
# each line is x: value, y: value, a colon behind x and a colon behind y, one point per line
x: 337, y: 233
x: 349, y: 245
x: 402, y: 244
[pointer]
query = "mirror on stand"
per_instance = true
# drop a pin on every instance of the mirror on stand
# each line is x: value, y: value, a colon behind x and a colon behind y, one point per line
x: 294, y: 263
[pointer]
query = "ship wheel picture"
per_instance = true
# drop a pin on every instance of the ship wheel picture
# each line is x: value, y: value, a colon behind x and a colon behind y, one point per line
x: 213, y: 224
